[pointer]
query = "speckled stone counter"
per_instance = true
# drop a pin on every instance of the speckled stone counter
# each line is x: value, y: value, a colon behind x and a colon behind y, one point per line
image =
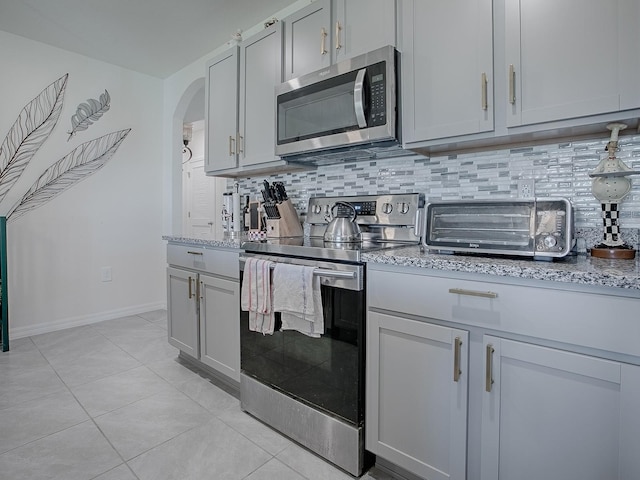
x: 223, y: 242
x: 576, y: 270
x: 580, y: 269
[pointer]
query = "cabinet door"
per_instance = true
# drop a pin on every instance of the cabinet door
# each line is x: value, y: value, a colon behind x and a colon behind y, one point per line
x: 556, y: 415
x: 629, y: 53
x: 416, y: 413
x: 220, y: 325
x: 221, y: 112
x: 561, y: 59
x: 447, y: 68
x: 308, y: 39
x: 260, y: 72
x: 182, y: 310
x: 360, y: 26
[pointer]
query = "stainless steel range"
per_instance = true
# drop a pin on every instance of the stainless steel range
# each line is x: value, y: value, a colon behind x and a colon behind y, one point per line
x: 312, y: 389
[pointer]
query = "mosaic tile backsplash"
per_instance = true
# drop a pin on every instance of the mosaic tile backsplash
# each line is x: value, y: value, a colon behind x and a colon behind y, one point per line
x: 556, y: 169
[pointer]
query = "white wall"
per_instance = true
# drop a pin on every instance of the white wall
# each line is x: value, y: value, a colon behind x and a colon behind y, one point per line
x: 111, y: 219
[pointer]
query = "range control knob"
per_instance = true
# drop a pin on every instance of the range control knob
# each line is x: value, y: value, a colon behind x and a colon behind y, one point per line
x: 550, y: 241
x: 387, y: 208
x: 404, y: 208
x: 317, y: 209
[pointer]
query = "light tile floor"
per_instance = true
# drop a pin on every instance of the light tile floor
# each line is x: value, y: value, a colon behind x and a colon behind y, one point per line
x: 111, y: 401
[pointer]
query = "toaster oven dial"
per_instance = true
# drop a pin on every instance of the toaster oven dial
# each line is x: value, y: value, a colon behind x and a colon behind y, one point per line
x: 387, y: 208
x: 549, y: 242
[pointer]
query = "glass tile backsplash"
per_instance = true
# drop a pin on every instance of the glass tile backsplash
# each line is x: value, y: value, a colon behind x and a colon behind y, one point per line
x: 556, y: 169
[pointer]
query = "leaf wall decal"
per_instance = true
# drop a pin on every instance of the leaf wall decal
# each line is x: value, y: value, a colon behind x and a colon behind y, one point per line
x: 73, y: 167
x: 89, y: 112
x: 32, y: 127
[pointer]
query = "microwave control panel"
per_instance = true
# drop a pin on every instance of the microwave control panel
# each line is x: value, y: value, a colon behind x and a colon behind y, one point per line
x: 377, y: 94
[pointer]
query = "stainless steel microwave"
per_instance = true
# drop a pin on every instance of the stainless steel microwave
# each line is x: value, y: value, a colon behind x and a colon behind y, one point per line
x: 541, y: 228
x: 349, y: 104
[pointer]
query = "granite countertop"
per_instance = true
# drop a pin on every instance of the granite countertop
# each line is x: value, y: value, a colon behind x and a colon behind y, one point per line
x: 223, y: 242
x: 579, y: 269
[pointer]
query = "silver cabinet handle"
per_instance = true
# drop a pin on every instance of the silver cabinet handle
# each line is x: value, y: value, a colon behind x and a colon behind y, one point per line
x: 231, y: 145
x: 358, y: 98
x: 239, y: 142
x: 190, y: 291
x: 512, y: 84
x: 323, y: 41
x: 338, y: 31
x: 483, y: 86
x: 488, y: 379
x: 473, y: 293
x: 200, y: 290
x: 194, y: 253
x: 456, y: 359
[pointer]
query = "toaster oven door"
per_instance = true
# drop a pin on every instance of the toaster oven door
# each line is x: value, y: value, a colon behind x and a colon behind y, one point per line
x: 487, y: 227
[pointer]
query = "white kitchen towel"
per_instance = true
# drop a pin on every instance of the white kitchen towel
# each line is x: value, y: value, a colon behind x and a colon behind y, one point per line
x: 256, y: 295
x: 296, y: 295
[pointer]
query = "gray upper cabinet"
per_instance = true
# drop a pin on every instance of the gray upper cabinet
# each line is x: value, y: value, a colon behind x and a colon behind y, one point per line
x: 495, y: 71
x: 221, y: 111
x: 562, y: 59
x: 307, y: 39
x: 447, y: 68
x: 629, y: 54
x: 240, y: 106
x: 360, y: 26
x: 329, y: 31
x: 260, y: 72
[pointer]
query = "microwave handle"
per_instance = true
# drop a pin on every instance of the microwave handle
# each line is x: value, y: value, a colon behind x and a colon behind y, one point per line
x: 358, y: 98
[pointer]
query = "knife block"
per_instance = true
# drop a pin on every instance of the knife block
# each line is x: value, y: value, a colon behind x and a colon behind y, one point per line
x: 288, y: 225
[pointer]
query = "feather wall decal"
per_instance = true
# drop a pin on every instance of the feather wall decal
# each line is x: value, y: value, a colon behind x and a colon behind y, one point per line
x: 29, y: 132
x: 73, y: 167
x: 89, y: 112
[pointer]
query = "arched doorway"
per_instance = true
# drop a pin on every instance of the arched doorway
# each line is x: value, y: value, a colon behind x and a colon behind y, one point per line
x: 196, y: 198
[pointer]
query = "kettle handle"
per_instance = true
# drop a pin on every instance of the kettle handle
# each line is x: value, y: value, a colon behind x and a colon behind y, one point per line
x: 346, y: 204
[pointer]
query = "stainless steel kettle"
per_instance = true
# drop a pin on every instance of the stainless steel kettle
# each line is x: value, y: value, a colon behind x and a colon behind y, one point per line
x: 343, y: 228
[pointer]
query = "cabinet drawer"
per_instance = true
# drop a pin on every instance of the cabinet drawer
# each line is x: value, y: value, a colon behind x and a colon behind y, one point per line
x: 217, y: 262
x: 605, y: 322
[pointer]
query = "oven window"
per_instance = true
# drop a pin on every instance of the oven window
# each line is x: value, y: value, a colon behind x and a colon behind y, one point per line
x: 326, y: 373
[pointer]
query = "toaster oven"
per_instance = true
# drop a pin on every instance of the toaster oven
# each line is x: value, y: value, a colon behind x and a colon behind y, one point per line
x: 541, y: 228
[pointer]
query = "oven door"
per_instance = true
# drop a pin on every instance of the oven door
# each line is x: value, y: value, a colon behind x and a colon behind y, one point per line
x: 325, y: 373
x: 350, y: 103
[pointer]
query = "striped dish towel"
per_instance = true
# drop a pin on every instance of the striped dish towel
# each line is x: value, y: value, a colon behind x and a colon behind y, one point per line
x: 256, y: 295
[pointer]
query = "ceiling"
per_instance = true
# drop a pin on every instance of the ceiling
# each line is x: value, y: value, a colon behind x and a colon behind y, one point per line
x: 155, y: 37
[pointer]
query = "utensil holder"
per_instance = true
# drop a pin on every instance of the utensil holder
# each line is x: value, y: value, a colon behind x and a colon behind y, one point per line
x: 288, y: 223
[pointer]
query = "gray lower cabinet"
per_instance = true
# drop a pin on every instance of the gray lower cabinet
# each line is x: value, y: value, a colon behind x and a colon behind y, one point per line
x: 417, y: 380
x: 553, y: 414
x: 548, y: 386
x: 220, y: 325
x: 182, y: 310
x: 203, y: 303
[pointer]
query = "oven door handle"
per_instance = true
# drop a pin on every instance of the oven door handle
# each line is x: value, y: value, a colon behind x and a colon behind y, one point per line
x: 323, y: 272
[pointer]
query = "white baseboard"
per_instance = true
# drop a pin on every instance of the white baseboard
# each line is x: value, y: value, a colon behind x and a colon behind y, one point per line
x: 37, y: 329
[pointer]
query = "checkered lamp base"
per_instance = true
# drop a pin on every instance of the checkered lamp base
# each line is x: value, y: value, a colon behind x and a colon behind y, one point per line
x: 610, y: 221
